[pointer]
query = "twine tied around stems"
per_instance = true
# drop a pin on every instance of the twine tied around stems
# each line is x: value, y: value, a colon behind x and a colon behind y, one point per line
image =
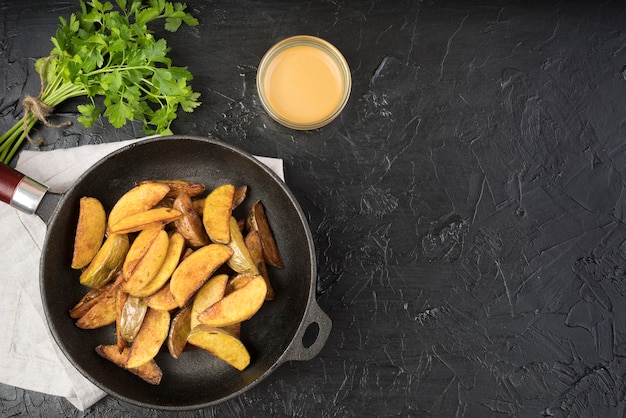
x: 39, y: 109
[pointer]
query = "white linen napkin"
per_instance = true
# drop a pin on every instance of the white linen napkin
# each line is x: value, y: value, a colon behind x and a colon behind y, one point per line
x: 29, y: 357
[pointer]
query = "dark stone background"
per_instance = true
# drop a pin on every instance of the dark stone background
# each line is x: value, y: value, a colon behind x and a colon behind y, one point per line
x: 468, y: 206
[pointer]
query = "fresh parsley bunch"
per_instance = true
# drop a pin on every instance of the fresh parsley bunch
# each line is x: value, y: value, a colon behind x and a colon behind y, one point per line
x: 110, y: 52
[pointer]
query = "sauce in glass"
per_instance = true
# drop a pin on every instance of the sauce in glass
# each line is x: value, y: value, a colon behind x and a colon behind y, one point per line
x: 303, y: 82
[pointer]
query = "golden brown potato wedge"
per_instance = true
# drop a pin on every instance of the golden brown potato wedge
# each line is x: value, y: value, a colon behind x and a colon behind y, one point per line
x: 149, y: 372
x: 104, y: 312
x: 221, y: 344
x: 172, y: 258
x: 131, y: 317
x: 239, y: 196
x: 257, y: 221
x: 195, y: 270
x: 107, y: 262
x: 89, y: 300
x: 237, y: 306
x: 92, y: 220
x: 189, y: 225
x: 179, y: 331
x: 150, y: 338
x: 241, y: 261
x: 253, y: 243
x: 149, y: 264
x: 211, y: 292
x: 179, y: 186
x: 162, y: 300
x: 217, y: 211
x: 138, y: 249
x: 145, y: 220
x: 136, y: 200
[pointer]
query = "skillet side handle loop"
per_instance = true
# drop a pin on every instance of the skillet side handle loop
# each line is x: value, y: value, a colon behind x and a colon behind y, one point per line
x: 315, y: 319
x: 20, y: 191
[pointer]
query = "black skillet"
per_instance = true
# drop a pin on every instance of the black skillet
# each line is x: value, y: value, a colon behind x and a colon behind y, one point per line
x: 274, y: 336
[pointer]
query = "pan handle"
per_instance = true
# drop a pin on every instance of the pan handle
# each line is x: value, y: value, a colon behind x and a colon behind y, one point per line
x: 315, y: 319
x: 20, y: 191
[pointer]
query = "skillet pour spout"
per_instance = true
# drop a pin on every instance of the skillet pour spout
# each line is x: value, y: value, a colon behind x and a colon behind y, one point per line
x: 292, y: 327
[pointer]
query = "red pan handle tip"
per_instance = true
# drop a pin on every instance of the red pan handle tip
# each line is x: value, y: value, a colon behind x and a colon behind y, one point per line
x: 20, y: 191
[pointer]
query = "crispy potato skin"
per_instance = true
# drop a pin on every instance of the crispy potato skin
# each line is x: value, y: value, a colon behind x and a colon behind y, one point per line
x: 257, y: 221
x: 150, y: 338
x: 253, y: 243
x: 189, y: 225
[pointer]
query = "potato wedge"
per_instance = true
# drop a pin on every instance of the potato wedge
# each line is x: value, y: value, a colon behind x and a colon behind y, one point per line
x: 150, y: 338
x: 240, y: 261
x: 89, y: 300
x: 195, y: 270
x: 172, y: 258
x: 257, y: 221
x: 254, y: 246
x: 179, y: 331
x: 211, y: 292
x: 149, y: 264
x: 104, y: 312
x: 131, y: 317
x: 138, y: 249
x: 237, y: 306
x: 92, y: 221
x: 162, y: 300
x: 149, y: 372
x: 189, y: 225
x: 217, y: 211
x: 136, y: 200
x: 107, y: 262
x: 221, y: 344
x: 179, y: 186
x: 239, y: 196
x: 145, y: 220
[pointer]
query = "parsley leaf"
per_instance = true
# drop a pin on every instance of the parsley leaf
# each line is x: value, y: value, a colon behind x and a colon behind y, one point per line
x: 109, y: 50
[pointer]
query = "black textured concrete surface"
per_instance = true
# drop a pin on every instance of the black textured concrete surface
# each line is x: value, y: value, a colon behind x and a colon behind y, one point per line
x: 468, y: 206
